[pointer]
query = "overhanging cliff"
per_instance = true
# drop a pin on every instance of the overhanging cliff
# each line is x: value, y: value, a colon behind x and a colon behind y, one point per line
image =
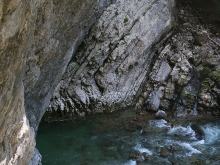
x: 40, y: 38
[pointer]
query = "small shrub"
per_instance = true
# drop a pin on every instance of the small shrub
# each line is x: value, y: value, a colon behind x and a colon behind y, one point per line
x: 125, y: 20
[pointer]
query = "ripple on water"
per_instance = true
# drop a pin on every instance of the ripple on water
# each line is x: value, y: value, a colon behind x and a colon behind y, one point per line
x: 139, y: 148
x: 190, y: 148
x: 212, y: 133
x: 69, y: 143
x: 182, y: 131
x: 131, y: 162
x: 158, y: 123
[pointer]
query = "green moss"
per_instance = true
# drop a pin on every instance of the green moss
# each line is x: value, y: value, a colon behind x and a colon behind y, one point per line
x: 215, y: 75
x: 174, y: 24
x: 112, y: 108
x: 125, y: 20
x: 77, y: 67
x: 206, y: 80
x: 205, y: 73
x: 117, y: 57
x: 184, y: 94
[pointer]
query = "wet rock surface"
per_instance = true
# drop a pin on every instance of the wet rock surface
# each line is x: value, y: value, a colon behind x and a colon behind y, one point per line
x: 199, y: 133
x: 36, y: 158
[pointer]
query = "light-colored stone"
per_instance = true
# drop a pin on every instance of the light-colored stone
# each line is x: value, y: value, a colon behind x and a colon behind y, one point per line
x: 190, y: 56
x: 162, y: 73
x: 153, y: 101
x: 169, y: 90
x: 115, y: 56
x: 180, y: 72
x: 36, y: 158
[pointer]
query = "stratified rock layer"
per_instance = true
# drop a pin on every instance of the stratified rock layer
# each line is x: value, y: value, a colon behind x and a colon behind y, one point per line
x: 113, y: 61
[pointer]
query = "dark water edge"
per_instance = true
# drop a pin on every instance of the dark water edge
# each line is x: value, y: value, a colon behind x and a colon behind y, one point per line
x: 81, y: 142
x: 114, y: 139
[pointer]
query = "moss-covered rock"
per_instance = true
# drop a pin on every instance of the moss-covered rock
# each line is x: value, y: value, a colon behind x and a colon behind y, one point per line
x: 215, y: 75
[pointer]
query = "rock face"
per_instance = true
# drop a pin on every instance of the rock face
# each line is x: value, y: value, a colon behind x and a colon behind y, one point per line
x: 60, y: 27
x: 111, y: 65
x: 36, y: 158
x: 94, y: 56
x: 40, y: 38
x: 16, y: 137
x: 187, y: 68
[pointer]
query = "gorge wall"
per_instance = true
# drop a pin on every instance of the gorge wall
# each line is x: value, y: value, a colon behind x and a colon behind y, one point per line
x: 112, y: 62
x: 39, y: 42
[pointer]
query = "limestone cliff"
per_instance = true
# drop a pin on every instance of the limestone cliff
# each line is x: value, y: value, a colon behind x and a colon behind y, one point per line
x: 40, y: 38
x: 112, y: 63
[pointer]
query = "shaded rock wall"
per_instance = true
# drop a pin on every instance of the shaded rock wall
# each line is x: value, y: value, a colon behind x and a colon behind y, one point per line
x: 37, y: 40
x: 60, y: 27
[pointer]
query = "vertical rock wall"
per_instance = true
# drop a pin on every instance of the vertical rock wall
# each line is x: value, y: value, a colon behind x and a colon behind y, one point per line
x: 16, y: 136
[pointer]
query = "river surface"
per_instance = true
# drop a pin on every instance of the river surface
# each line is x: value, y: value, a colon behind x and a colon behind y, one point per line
x: 106, y: 140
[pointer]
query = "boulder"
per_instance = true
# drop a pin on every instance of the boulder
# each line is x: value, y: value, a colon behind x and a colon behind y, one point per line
x: 164, y: 152
x: 153, y: 102
x: 161, y: 114
x: 199, y: 133
x: 163, y: 72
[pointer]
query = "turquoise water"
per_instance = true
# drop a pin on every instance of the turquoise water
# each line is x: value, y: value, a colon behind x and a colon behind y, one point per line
x: 105, y: 141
